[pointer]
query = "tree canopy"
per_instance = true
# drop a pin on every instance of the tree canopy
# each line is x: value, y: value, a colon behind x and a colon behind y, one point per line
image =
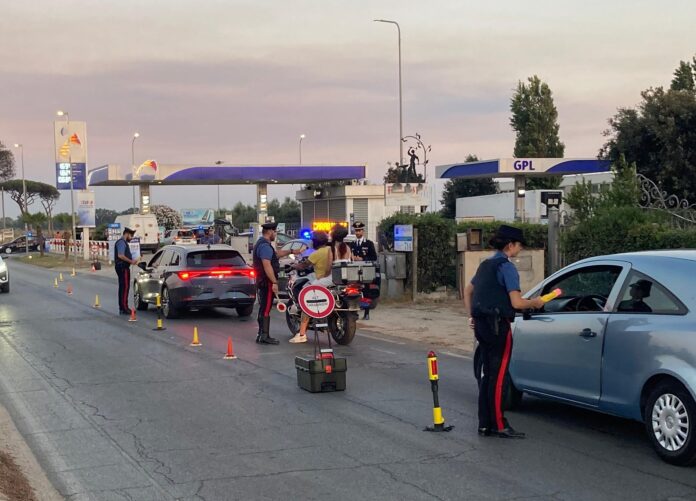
x: 47, y: 193
x: 535, y: 122
x: 286, y: 212
x: 166, y: 216
x: 459, y: 188
x: 659, y: 135
x: 7, y: 163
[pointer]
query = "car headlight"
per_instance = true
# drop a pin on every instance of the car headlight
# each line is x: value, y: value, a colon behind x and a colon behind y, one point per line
x: 3, y: 267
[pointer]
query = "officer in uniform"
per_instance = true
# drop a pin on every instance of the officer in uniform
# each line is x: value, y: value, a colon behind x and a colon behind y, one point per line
x: 491, y: 299
x: 124, y: 260
x: 364, y: 250
x: 210, y: 237
x: 267, y: 267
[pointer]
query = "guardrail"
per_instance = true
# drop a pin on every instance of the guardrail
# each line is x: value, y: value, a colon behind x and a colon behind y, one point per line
x: 98, y: 249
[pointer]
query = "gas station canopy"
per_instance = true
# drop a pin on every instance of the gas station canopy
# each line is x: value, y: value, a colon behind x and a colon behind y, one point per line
x: 112, y: 175
x: 512, y: 167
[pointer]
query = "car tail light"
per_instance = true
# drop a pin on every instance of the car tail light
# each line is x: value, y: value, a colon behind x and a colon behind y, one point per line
x: 184, y: 275
x: 352, y: 290
x: 217, y: 273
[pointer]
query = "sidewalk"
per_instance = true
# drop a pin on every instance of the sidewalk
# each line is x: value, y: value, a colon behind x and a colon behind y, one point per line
x: 435, y: 323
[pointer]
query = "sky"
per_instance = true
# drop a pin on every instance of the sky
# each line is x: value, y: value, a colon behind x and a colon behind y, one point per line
x: 239, y: 81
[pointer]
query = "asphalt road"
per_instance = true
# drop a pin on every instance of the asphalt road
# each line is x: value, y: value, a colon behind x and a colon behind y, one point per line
x: 115, y: 410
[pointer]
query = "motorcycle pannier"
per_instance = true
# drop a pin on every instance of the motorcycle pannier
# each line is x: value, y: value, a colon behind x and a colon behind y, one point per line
x: 318, y: 376
x: 344, y: 273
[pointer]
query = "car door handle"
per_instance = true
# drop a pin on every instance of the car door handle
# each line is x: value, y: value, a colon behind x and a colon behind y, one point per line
x: 588, y: 333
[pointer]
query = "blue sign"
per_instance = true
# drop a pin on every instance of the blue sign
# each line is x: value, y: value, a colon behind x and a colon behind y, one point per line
x: 114, y: 225
x: 79, y: 174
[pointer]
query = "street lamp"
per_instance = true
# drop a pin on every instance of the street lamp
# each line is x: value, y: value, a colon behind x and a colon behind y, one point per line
x: 135, y: 136
x: 302, y: 136
x: 24, y: 199
x: 65, y: 114
x: 401, y: 115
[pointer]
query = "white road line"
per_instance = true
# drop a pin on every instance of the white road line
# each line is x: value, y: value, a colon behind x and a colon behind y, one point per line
x: 383, y: 351
x: 380, y: 339
x: 456, y: 355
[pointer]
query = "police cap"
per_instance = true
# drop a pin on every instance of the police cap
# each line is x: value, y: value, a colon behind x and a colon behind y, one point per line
x: 358, y: 225
x: 269, y: 226
x: 128, y: 230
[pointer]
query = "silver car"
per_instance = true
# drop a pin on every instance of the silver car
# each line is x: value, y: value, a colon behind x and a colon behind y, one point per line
x: 621, y: 339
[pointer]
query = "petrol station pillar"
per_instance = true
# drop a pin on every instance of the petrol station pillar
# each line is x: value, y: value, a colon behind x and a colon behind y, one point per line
x: 144, y: 198
x: 520, y: 190
x: 262, y: 202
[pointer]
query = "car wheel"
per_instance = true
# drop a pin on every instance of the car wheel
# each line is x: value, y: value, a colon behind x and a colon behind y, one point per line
x: 8, y: 250
x: 169, y: 310
x: 670, y: 416
x: 245, y: 311
x: 140, y: 305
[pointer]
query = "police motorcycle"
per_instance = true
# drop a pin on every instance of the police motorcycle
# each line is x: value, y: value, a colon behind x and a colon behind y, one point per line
x: 342, y: 321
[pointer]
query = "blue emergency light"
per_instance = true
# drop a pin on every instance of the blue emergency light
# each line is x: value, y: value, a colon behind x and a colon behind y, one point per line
x: 306, y: 234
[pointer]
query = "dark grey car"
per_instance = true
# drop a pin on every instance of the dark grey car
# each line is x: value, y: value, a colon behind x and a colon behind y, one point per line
x: 196, y: 276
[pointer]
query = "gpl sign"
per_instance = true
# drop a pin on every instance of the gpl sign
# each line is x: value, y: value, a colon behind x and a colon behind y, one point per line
x: 316, y: 301
x: 523, y: 165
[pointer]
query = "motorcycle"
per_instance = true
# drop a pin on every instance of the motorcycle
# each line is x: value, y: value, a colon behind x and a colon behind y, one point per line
x: 342, y: 321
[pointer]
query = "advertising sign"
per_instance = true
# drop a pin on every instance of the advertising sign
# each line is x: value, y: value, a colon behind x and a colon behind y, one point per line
x: 113, y: 233
x: 327, y: 226
x: 134, y: 245
x: 403, y: 238
x: 407, y: 194
x: 86, y: 210
x: 70, y: 140
x: 192, y: 218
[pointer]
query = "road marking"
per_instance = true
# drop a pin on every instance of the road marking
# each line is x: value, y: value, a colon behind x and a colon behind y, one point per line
x: 381, y: 339
x: 383, y: 351
x: 456, y: 355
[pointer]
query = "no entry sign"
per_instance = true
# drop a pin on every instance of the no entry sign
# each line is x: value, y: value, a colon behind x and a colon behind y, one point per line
x: 316, y: 301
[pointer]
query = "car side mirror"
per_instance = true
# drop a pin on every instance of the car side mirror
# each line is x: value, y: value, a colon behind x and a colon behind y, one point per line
x: 142, y: 266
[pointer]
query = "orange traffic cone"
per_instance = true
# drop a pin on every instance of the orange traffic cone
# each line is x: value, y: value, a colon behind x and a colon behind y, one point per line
x: 230, y: 351
x: 69, y: 289
x: 132, y: 316
x: 196, y: 341
x: 93, y: 269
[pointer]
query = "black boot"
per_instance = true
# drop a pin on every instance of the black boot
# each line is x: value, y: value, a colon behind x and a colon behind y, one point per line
x: 366, y: 316
x: 258, y: 334
x: 265, y: 337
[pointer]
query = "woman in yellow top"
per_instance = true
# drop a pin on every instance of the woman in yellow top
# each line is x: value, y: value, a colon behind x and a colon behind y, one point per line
x: 321, y: 259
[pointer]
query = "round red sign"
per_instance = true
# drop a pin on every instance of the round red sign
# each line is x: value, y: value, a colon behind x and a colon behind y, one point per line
x: 316, y: 301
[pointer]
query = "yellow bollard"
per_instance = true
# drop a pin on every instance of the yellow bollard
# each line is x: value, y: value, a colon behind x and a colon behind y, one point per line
x: 196, y: 341
x: 73, y: 273
x: 55, y: 283
x: 433, y: 375
x: 96, y: 301
x: 158, y: 303
x: 60, y: 277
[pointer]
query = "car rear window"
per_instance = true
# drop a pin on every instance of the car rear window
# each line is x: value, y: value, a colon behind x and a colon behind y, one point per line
x: 185, y: 234
x: 214, y: 259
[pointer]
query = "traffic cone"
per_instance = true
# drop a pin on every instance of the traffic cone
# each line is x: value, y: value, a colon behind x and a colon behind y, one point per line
x: 230, y: 351
x: 73, y: 273
x: 93, y: 268
x: 96, y: 301
x: 60, y: 277
x: 55, y: 283
x: 132, y: 316
x: 69, y: 290
x: 196, y: 341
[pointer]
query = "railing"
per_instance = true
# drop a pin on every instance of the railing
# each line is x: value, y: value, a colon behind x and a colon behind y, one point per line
x: 99, y: 249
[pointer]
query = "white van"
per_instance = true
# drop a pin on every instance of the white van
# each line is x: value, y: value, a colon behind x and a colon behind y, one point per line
x: 146, y: 229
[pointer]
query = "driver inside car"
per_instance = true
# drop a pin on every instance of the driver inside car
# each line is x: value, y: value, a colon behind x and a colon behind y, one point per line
x: 638, y: 291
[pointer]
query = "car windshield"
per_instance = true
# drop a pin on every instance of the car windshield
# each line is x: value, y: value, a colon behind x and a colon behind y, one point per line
x: 185, y: 234
x: 214, y: 259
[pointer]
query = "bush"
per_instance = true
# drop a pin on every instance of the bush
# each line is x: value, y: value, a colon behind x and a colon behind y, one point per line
x: 436, y: 251
x: 623, y: 229
x: 535, y: 234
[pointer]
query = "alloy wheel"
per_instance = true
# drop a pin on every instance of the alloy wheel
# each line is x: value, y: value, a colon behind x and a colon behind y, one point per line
x: 670, y: 422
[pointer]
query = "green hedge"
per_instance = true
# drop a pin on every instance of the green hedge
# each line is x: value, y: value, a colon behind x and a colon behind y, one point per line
x: 436, y: 251
x: 535, y: 234
x: 624, y: 229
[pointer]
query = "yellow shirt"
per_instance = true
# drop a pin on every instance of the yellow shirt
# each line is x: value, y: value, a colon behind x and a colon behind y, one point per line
x: 320, y: 259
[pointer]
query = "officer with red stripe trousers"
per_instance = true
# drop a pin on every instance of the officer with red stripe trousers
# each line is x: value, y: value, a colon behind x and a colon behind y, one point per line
x: 491, y: 299
x: 267, y: 267
x: 123, y: 260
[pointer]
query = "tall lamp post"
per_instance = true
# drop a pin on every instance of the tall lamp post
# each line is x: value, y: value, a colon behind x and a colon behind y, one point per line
x: 135, y: 136
x: 302, y: 136
x: 24, y: 199
x: 65, y: 114
x: 401, y: 102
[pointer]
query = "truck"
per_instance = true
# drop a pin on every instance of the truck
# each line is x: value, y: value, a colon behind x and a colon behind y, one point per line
x: 146, y: 229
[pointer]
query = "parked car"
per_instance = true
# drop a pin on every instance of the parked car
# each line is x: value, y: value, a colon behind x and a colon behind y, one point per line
x: 19, y: 245
x: 196, y: 276
x: 178, y: 236
x: 620, y: 340
x: 4, y: 276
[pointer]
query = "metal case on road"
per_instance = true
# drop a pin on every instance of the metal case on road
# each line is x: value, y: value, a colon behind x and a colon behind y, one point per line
x: 318, y: 376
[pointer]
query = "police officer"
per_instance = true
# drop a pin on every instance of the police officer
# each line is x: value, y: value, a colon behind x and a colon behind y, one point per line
x: 363, y: 249
x: 491, y: 299
x: 124, y: 260
x: 210, y: 237
x: 267, y: 267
